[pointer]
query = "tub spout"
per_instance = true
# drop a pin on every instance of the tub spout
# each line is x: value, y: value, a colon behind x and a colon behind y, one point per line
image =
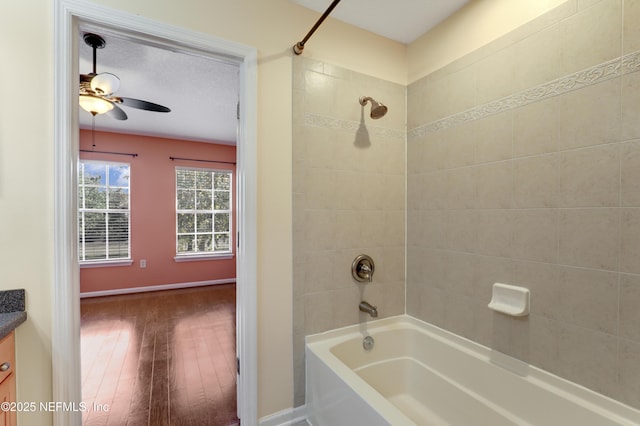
x: 367, y: 308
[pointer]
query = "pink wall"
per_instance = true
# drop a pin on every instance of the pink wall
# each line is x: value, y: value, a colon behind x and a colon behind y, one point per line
x: 153, y: 217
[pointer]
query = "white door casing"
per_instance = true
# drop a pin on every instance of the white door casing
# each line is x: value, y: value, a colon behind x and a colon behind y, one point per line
x: 69, y: 16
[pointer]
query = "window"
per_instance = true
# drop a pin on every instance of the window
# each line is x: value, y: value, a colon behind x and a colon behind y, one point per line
x: 203, y: 212
x: 103, y: 212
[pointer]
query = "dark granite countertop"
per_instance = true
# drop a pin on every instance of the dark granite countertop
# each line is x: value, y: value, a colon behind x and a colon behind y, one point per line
x: 12, y: 310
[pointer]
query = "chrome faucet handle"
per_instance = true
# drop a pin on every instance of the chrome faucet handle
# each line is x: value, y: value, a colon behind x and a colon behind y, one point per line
x: 362, y: 268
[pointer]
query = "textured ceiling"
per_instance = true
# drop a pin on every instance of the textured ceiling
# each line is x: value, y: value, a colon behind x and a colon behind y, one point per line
x: 201, y: 92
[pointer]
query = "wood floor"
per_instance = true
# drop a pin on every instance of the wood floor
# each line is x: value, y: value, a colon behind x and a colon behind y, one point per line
x: 160, y: 358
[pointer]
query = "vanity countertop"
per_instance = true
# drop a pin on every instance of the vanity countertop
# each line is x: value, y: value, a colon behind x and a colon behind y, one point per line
x: 12, y: 310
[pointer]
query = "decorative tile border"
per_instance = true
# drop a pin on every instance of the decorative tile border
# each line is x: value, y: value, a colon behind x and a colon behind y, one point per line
x: 317, y: 120
x: 599, y: 73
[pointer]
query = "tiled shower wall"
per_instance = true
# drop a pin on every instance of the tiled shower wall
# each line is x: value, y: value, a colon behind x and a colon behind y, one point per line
x: 524, y: 168
x: 349, y: 198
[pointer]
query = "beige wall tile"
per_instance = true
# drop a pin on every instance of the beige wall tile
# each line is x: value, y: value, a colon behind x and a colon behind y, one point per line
x: 393, y: 229
x: 415, y: 154
x: 536, y: 181
x: 629, y: 303
x: 589, y: 298
x: 494, y: 232
x: 428, y: 304
x: 588, y: 358
x: 434, y: 153
x: 545, y: 343
x: 435, y: 190
x: 490, y: 270
x: 630, y: 174
x: 458, y: 317
x: 592, y: 36
x: 511, y: 335
x: 590, y: 116
x: 630, y: 106
x: 535, y: 235
x: 414, y: 189
x: 319, y: 93
x: 495, y: 185
x: 494, y: 135
x: 629, y: 374
x: 459, y: 272
x: 590, y: 177
x: 538, y: 58
x: 461, y: 188
x: 495, y: 76
x: 318, y: 188
x: 589, y: 238
x: 543, y: 280
x: 449, y: 94
x: 461, y: 231
x: 630, y: 240
x: 432, y: 229
x: 536, y: 128
x: 631, y: 30
x: 460, y: 145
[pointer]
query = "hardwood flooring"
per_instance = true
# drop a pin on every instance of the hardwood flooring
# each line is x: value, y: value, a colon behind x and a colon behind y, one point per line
x: 160, y: 358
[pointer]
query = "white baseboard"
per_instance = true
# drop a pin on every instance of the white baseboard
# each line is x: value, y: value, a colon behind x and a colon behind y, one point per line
x: 155, y: 288
x: 288, y: 417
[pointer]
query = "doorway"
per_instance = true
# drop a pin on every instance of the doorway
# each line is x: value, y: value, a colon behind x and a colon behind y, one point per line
x: 69, y: 15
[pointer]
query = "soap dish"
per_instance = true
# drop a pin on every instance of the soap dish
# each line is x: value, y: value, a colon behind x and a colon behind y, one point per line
x: 510, y: 300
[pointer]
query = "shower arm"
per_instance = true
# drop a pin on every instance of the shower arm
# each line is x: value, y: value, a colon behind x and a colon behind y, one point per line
x: 299, y: 46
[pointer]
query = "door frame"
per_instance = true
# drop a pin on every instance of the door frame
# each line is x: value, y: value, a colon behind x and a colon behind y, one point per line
x: 65, y: 345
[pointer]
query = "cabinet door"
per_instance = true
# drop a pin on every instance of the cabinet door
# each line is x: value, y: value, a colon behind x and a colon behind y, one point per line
x: 7, y: 394
x: 7, y: 378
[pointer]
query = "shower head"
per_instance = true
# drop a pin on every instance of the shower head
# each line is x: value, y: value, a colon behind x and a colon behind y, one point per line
x: 377, y: 109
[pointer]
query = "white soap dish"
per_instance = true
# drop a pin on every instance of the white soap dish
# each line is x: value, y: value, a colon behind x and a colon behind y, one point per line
x: 510, y: 300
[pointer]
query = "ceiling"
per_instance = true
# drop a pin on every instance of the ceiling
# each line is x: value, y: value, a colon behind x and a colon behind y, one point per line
x: 202, y: 93
x: 400, y: 20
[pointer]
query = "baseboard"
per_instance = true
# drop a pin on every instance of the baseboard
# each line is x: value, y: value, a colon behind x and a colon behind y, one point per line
x: 155, y: 288
x: 288, y: 417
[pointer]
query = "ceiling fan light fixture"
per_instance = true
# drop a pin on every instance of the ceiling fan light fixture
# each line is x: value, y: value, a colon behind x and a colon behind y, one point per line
x: 105, y: 83
x: 95, y: 105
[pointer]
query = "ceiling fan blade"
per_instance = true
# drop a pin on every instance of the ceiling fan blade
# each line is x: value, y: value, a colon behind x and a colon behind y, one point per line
x: 117, y: 113
x: 148, y: 106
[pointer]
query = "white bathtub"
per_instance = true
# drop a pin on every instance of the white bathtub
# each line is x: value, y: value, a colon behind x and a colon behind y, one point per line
x: 419, y: 374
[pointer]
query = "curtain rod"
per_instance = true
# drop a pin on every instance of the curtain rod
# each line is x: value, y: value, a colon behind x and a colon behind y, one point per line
x: 204, y: 161
x: 299, y: 46
x: 109, y: 152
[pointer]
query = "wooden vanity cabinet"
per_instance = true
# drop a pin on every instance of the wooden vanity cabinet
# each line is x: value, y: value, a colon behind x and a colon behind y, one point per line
x: 7, y: 378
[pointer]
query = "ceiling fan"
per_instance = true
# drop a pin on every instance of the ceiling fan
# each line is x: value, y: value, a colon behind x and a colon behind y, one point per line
x: 96, y: 90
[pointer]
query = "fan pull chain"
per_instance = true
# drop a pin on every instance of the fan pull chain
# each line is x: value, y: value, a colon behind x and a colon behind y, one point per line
x: 93, y: 132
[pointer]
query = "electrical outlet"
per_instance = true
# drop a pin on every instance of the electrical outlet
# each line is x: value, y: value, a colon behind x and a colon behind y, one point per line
x: 143, y: 263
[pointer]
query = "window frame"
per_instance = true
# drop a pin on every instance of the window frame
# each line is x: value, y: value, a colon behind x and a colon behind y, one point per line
x: 209, y: 255
x: 106, y: 262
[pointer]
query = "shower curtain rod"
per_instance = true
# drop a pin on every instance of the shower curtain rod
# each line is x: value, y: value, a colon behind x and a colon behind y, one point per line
x: 203, y: 161
x: 299, y: 46
x: 109, y: 152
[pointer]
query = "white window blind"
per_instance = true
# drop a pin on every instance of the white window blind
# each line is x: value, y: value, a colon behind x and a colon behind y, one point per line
x: 203, y: 211
x: 103, y: 211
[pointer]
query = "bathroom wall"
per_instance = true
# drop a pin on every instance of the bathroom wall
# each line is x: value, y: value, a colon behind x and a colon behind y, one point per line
x: 153, y: 211
x: 348, y: 199
x: 523, y: 168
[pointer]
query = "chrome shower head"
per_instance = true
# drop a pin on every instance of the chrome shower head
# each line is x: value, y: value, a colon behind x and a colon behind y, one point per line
x: 377, y: 109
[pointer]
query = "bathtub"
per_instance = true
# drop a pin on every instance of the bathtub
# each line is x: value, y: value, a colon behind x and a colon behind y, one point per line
x: 419, y: 374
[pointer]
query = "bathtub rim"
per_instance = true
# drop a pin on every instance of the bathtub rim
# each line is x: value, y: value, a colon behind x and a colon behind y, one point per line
x: 322, y: 343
